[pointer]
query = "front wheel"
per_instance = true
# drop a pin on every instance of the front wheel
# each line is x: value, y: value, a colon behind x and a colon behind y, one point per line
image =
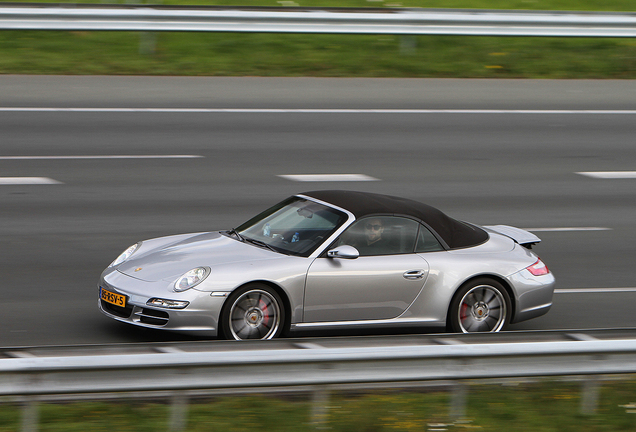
x: 253, y: 312
x: 482, y: 305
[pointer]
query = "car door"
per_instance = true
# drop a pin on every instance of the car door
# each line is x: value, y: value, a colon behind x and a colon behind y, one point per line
x: 379, y: 284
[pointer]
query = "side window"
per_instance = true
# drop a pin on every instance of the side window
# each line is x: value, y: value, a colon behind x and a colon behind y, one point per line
x: 382, y: 235
x: 426, y: 241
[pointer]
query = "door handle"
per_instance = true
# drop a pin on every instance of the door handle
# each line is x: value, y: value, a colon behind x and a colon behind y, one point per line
x: 414, y: 274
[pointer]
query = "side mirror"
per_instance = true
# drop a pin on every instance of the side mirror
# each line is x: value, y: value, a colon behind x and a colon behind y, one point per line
x: 344, y: 251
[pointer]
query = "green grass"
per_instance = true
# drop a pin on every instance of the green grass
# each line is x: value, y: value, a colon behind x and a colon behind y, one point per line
x: 223, y: 54
x: 549, y: 406
x: 236, y: 54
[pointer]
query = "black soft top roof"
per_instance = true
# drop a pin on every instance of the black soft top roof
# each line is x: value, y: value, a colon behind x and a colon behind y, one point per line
x: 456, y: 234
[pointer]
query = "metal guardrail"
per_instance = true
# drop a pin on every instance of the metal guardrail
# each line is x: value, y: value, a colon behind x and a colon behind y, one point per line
x: 177, y: 371
x: 309, y: 367
x: 150, y: 18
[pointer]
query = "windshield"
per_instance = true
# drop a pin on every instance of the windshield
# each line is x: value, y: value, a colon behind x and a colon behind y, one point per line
x: 295, y: 226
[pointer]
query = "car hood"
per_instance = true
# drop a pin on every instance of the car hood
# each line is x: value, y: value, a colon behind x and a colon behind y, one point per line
x: 170, y: 261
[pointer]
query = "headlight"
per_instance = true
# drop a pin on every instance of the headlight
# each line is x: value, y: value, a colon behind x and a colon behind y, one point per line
x: 125, y: 255
x: 191, y: 279
x: 168, y: 304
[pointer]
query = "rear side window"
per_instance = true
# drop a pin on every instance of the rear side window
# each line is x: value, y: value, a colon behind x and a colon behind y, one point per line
x: 426, y: 241
x: 382, y: 235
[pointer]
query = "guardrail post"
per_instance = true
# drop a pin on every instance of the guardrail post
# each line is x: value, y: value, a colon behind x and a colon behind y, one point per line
x: 178, y: 411
x: 30, y: 415
x: 147, y: 43
x: 590, y: 392
x: 408, y: 45
x: 320, y: 406
x: 459, y: 394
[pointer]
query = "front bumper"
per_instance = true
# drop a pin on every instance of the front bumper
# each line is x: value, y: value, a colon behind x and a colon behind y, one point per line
x: 201, y: 316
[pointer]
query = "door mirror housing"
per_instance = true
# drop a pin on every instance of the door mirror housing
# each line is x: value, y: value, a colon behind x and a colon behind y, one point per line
x: 344, y: 251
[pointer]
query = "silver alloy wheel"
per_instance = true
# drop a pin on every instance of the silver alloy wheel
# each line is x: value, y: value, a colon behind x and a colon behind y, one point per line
x: 255, y: 314
x: 482, y: 309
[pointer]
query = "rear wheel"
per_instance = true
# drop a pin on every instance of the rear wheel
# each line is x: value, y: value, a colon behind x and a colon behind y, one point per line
x: 482, y: 305
x: 253, y: 312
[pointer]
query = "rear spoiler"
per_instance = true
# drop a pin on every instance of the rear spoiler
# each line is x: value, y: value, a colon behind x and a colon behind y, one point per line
x: 523, y: 237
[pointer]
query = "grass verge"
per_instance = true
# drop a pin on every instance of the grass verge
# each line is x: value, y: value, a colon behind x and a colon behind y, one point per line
x: 231, y: 54
x: 542, y: 406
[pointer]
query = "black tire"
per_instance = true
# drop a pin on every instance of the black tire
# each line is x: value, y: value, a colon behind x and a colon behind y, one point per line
x: 481, y: 305
x: 254, y: 311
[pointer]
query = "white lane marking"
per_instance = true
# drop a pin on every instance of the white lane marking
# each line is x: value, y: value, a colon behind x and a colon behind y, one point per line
x: 448, y: 341
x: 20, y: 354
x: 313, y: 111
x: 609, y: 174
x: 593, y: 290
x: 566, y: 229
x: 100, y: 157
x: 581, y: 337
x: 327, y: 177
x: 169, y: 350
x: 27, y: 181
x: 308, y: 345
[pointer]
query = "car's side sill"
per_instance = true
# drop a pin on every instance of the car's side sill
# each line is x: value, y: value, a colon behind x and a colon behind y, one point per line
x: 370, y: 323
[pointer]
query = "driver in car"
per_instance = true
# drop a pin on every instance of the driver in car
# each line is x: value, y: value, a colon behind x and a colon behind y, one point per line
x: 372, y: 243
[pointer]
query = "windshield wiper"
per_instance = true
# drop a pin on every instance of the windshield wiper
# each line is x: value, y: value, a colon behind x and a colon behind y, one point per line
x: 261, y: 244
x: 235, y: 232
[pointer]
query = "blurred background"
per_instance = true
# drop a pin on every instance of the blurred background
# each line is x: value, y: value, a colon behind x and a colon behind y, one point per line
x: 327, y: 55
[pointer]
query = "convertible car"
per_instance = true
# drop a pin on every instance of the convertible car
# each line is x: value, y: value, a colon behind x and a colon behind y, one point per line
x: 331, y: 259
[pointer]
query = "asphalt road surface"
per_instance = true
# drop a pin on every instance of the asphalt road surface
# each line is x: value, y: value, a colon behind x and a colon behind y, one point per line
x: 485, y: 151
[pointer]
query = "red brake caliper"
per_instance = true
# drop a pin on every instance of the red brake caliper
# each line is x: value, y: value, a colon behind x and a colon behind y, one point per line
x: 463, y: 311
x: 263, y: 308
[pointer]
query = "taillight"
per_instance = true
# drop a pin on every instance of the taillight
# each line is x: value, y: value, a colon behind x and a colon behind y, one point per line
x: 538, y: 268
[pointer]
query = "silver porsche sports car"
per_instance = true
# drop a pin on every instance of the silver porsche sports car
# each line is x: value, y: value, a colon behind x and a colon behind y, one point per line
x: 331, y: 259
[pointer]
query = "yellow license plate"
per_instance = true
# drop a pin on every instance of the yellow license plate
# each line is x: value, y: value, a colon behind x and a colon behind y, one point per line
x: 112, y: 298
